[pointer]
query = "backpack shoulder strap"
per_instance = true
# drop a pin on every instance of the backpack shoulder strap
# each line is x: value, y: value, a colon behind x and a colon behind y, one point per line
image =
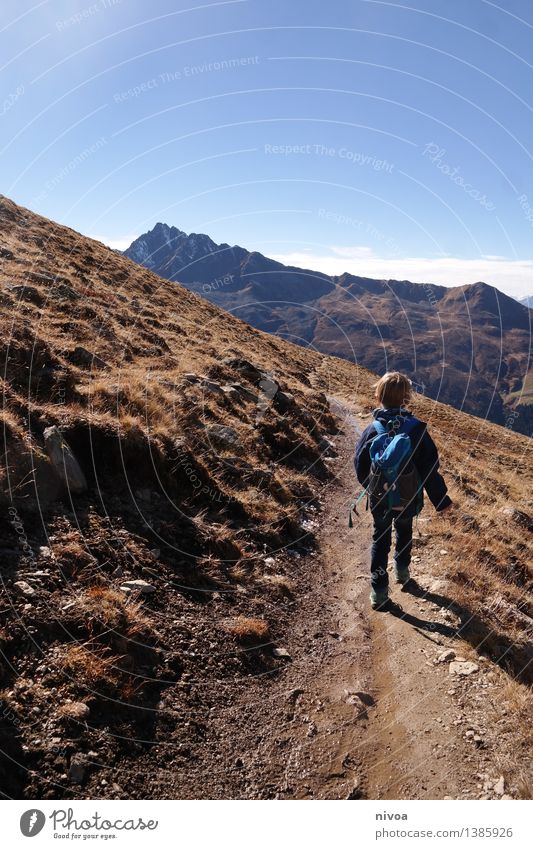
x: 380, y: 427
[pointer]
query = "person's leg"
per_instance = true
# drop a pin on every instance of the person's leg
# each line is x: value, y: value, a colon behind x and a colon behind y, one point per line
x: 381, y: 543
x: 404, y: 544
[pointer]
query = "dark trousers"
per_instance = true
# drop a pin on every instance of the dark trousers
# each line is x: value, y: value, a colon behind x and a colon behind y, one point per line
x: 381, y: 543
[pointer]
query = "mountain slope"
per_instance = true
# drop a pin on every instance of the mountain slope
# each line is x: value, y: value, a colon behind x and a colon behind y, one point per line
x: 146, y: 617
x: 468, y: 346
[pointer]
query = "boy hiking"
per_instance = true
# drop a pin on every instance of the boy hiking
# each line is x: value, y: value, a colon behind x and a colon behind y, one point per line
x: 395, y: 460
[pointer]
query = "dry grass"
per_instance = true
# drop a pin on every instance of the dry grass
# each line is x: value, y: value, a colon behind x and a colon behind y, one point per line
x: 281, y: 585
x: 88, y: 668
x: 248, y: 629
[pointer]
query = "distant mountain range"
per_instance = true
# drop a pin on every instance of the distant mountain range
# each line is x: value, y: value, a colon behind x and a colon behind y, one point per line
x: 468, y: 346
x: 527, y: 301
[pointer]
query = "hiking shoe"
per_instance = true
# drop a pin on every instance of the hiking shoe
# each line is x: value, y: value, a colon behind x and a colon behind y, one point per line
x: 402, y: 575
x: 379, y: 600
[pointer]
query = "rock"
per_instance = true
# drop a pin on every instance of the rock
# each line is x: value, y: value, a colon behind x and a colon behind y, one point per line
x: 244, y: 367
x: 62, y: 290
x: 138, y: 585
x: 499, y: 787
x: 6, y: 254
x: 520, y: 518
x: 245, y: 393
x: 43, y: 276
x: 76, y: 710
x: 23, y: 588
x: 28, y: 293
x: 82, y: 357
x: 443, y: 551
x: 77, y: 769
x: 284, y: 400
x: 463, y: 667
x: 211, y: 386
x: 282, y: 653
x: 292, y: 695
x: 446, y: 656
x: 223, y: 436
x: 63, y: 460
x: 230, y: 392
x: 191, y: 378
x: 355, y: 792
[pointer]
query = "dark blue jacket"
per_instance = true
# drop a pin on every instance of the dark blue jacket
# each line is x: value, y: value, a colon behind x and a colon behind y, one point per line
x: 425, y: 456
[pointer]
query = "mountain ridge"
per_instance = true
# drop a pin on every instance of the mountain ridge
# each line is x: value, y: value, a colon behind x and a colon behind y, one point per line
x: 467, y: 345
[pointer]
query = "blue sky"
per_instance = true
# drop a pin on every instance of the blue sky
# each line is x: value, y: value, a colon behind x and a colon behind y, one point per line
x: 386, y: 139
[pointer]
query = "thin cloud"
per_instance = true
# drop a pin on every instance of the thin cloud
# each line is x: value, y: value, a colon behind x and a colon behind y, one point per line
x: 514, y: 277
x: 116, y: 244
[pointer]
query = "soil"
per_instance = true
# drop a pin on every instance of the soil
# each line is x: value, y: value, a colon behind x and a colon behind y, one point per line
x: 361, y: 709
x: 347, y: 703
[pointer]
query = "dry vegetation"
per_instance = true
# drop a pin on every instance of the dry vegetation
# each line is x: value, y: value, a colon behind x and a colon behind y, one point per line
x: 138, y: 374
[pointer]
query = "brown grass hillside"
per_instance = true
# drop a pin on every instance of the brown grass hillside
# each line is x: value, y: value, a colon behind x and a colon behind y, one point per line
x: 206, y: 446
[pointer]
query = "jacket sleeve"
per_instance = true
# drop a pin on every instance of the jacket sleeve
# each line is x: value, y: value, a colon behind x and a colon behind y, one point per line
x: 426, y: 459
x: 362, y: 457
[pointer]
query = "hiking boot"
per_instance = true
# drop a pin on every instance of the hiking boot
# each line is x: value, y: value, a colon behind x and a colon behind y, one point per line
x: 402, y: 575
x: 379, y: 600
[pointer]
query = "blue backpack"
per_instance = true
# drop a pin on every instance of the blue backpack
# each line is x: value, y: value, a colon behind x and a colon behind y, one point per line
x: 394, y: 483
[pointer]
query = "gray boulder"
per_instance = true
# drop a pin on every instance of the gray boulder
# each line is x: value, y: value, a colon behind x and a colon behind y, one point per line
x: 63, y: 461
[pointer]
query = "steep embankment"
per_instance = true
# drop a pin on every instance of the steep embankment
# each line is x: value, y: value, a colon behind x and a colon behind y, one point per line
x: 212, y: 481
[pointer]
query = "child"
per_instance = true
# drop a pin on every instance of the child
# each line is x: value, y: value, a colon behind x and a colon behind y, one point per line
x: 393, y: 392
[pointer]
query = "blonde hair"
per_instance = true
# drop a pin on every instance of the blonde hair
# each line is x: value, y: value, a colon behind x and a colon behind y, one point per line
x: 393, y: 389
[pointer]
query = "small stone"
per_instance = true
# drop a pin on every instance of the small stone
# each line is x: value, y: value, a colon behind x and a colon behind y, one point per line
x: 292, y: 695
x: 77, y: 768
x: 499, y: 787
x: 281, y: 652
x: 463, y: 668
x: 446, y: 656
x: 23, y: 588
x: 443, y: 551
x: 137, y: 586
x: 76, y: 710
x: 355, y: 792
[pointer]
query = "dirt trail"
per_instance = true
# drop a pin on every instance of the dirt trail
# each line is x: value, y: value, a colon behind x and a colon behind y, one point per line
x: 384, y: 720
x: 360, y: 708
